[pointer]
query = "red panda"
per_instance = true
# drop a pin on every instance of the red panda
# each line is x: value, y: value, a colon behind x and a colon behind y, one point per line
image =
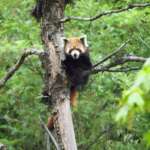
x: 77, y: 64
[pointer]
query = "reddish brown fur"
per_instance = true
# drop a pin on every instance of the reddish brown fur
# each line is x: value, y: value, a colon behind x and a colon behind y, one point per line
x: 74, y: 43
x: 50, y: 122
x: 73, y: 97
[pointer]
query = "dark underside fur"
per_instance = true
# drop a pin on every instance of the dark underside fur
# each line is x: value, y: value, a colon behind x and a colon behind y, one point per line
x: 78, y: 70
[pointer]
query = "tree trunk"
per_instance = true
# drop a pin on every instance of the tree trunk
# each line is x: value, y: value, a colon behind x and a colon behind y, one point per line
x: 55, y: 77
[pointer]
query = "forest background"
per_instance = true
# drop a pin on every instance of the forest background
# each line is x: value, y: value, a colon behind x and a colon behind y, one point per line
x: 98, y: 105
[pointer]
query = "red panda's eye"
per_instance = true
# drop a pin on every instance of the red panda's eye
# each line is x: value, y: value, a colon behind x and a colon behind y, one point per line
x: 71, y: 50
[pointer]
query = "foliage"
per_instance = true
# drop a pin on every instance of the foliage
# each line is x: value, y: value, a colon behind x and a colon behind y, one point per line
x: 95, y: 125
x: 19, y: 100
x: 136, y: 99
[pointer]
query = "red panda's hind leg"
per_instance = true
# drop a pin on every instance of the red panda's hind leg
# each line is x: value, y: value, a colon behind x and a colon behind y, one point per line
x: 51, y: 121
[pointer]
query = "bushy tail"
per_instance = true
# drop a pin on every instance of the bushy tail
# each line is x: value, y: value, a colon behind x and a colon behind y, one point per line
x: 73, y: 96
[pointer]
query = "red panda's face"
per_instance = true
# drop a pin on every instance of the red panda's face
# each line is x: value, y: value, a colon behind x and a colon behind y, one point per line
x: 75, y: 46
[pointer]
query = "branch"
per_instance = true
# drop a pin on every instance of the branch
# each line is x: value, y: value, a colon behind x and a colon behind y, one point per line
x: 120, y: 61
x: 112, y: 54
x: 116, y: 70
x: 101, y: 14
x: 49, y: 133
x: 133, y: 58
x: 21, y: 60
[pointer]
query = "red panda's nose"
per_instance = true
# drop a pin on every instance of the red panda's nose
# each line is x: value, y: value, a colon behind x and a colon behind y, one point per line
x: 75, y: 55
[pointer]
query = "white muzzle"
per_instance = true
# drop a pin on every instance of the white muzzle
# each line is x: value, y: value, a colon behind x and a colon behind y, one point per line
x: 75, y: 54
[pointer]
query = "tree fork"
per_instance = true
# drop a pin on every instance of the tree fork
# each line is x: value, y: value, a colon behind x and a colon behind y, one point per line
x: 55, y: 77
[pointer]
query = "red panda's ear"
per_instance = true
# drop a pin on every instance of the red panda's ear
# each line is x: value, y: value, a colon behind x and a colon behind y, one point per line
x: 84, y: 40
x: 65, y: 40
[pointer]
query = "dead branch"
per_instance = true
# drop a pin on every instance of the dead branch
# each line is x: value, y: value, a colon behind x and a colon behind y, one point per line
x: 20, y: 61
x: 133, y: 58
x: 110, y: 67
x: 105, y: 13
x: 112, y: 54
x: 49, y: 133
x: 116, y: 70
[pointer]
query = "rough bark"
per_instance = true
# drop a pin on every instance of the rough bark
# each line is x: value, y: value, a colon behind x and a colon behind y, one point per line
x: 55, y: 78
x: 3, y: 147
